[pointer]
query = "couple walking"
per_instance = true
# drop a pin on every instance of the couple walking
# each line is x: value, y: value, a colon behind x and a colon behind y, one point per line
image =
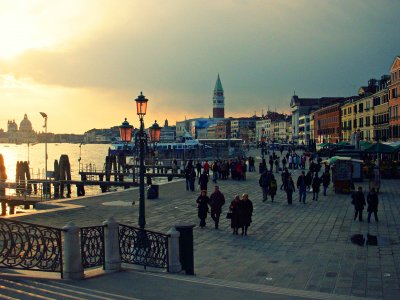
x: 241, y: 213
x: 215, y: 201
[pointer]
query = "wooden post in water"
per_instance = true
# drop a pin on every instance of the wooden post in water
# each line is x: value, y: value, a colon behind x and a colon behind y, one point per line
x: 65, y: 174
x: 56, y: 179
x: 3, y: 176
x: 3, y: 208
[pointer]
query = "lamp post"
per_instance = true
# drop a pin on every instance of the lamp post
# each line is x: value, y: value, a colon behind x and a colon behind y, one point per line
x: 44, y: 115
x: 155, y: 133
x: 141, y: 107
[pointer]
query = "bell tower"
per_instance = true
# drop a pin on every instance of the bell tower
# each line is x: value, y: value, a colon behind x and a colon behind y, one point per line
x: 218, y: 100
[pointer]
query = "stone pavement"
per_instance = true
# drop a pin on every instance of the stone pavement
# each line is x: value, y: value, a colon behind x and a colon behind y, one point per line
x: 304, y: 247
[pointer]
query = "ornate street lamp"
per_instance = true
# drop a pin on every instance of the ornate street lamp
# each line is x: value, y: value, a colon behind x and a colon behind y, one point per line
x: 141, y: 107
x: 155, y: 132
x: 125, y: 132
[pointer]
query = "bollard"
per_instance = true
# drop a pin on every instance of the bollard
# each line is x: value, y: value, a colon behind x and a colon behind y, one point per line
x: 72, y: 253
x: 111, y: 243
x: 174, y: 265
x: 186, y: 247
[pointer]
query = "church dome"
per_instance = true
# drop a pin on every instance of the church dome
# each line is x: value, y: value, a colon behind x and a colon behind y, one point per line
x: 25, y: 125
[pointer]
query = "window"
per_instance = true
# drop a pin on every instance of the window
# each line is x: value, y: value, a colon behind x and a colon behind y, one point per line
x: 360, y: 107
x: 367, y: 121
x: 355, y: 123
x: 361, y: 122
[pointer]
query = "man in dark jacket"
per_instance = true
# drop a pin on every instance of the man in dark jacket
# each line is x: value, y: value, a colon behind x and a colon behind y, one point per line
x: 217, y: 200
x: 203, y: 180
x: 302, y: 187
x: 264, y: 182
x: 326, y: 179
x: 373, y: 201
x: 359, y: 203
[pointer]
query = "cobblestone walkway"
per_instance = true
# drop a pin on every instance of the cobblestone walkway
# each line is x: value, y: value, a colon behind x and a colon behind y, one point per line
x: 301, y: 246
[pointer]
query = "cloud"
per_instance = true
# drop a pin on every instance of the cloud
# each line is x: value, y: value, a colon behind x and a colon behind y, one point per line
x: 173, y: 50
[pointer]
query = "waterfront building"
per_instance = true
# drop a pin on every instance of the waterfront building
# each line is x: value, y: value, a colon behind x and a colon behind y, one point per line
x: 25, y: 133
x: 101, y: 136
x: 381, y: 110
x: 304, y: 129
x: 167, y: 133
x: 263, y: 124
x: 327, y: 124
x: 303, y: 106
x: 394, y: 99
x: 347, y: 120
x: 364, y: 112
x: 218, y: 100
x: 241, y: 126
x: 313, y: 137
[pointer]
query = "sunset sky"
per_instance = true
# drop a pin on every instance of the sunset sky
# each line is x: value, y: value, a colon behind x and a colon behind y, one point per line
x: 84, y: 62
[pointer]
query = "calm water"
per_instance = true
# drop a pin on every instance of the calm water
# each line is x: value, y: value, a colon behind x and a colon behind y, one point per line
x: 91, y: 154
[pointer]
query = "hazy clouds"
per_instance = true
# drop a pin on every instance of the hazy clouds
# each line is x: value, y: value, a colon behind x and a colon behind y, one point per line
x: 174, y: 49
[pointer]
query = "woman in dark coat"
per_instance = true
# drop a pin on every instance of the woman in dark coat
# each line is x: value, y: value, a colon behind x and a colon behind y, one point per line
x: 202, y: 205
x: 373, y: 201
x: 326, y: 179
x: 234, y: 208
x: 316, y: 182
x: 203, y: 180
x: 245, y: 213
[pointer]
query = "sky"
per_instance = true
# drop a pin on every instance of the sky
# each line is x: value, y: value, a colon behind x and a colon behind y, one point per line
x: 84, y: 62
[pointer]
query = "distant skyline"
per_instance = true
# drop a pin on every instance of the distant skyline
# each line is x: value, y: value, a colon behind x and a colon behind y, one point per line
x: 84, y: 62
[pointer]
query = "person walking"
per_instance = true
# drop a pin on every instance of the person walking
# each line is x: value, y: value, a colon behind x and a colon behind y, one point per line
x: 234, y: 208
x: 264, y: 182
x: 277, y: 163
x: 198, y: 168
x: 359, y: 203
x: 206, y: 167
x: 217, y: 200
x: 316, y: 182
x: 302, y: 187
x: 289, y: 190
x: 245, y: 213
x: 202, y: 207
x: 203, y: 180
x: 273, y: 186
x: 373, y: 201
x: 326, y: 180
x: 215, y: 172
x: 192, y: 179
x: 271, y: 163
x: 284, y: 163
x: 188, y: 175
x: 309, y: 178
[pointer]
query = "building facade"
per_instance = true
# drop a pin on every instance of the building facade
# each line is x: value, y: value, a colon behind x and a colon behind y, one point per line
x: 304, y: 129
x: 327, y: 124
x: 303, y: 106
x: 394, y: 99
x: 380, y: 104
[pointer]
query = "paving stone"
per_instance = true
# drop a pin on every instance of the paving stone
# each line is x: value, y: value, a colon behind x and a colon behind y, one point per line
x: 299, y: 244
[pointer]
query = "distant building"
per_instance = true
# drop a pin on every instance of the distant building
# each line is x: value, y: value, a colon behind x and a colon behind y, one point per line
x: 303, y: 106
x: 327, y: 124
x: 394, y: 99
x: 218, y: 100
x: 25, y: 133
x: 381, y: 110
x: 168, y: 133
x: 240, y: 128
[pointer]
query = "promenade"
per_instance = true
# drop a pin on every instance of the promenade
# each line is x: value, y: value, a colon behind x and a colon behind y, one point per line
x: 302, y: 247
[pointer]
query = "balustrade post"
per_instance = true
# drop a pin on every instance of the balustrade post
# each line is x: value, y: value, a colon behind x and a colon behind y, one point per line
x: 111, y: 244
x: 73, y: 268
x: 174, y: 265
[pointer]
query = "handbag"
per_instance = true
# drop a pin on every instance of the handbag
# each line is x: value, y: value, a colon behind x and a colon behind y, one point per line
x: 229, y: 215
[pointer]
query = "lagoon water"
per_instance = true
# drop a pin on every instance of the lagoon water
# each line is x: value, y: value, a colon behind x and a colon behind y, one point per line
x: 91, y: 154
